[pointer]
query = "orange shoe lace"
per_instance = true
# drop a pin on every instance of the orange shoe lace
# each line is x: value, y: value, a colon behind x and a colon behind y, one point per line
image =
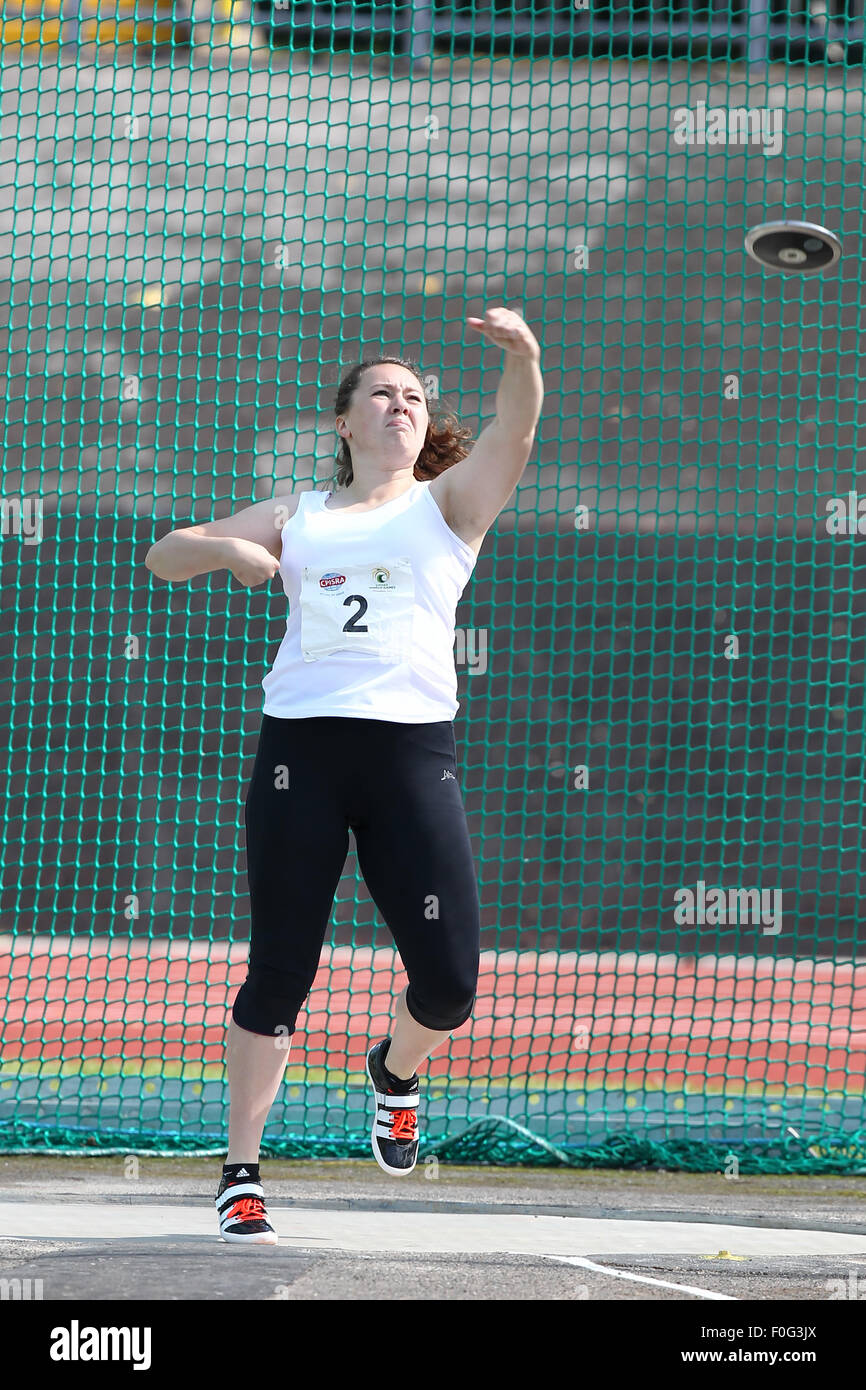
x: 404, y: 1124
x: 247, y: 1209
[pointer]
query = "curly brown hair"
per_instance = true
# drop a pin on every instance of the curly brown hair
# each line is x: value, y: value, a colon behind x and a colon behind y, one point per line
x: 447, y: 440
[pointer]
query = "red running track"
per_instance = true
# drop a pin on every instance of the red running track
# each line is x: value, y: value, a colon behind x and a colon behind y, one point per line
x: 620, y: 1021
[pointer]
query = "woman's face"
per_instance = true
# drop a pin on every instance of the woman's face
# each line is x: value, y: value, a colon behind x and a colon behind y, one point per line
x: 387, y: 419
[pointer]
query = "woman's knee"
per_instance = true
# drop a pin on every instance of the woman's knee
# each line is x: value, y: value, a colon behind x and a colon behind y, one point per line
x: 269, y: 1001
x: 441, y: 1010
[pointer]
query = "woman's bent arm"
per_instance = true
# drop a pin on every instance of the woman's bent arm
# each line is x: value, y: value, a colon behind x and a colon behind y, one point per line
x: 217, y: 545
x: 185, y: 554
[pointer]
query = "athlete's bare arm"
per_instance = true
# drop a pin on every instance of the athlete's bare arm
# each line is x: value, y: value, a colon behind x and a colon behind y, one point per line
x: 247, y: 543
x: 476, y: 489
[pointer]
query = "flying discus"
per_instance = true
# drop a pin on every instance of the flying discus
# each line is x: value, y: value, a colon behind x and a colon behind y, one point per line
x: 795, y: 247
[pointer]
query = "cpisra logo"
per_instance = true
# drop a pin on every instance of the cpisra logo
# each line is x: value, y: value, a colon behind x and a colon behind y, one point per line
x: 332, y: 581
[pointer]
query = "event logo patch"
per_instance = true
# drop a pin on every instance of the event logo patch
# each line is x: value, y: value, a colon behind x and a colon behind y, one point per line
x: 332, y: 580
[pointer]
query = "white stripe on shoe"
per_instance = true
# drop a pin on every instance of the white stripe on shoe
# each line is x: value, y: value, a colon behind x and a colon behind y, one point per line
x: 240, y: 1189
x: 392, y: 1102
x: 382, y: 1132
x: 387, y: 1116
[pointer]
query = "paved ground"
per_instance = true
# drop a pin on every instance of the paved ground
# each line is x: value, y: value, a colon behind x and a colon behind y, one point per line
x: 87, y: 1231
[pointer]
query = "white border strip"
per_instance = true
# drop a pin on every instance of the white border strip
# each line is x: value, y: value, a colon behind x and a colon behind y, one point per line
x: 635, y: 1278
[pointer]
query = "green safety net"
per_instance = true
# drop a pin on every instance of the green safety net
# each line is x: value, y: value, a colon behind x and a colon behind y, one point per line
x: 660, y: 656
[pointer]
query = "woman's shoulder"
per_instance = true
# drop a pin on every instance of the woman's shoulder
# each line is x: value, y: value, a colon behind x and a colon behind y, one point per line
x: 289, y: 502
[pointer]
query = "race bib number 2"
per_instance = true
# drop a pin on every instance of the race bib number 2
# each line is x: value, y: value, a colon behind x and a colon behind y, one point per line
x: 358, y: 608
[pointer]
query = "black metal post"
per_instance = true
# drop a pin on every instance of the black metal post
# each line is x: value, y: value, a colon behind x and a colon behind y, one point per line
x: 421, y: 45
x: 759, y: 33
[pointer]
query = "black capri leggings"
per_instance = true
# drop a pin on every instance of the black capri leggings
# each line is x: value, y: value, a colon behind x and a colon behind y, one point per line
x: 396, y: 786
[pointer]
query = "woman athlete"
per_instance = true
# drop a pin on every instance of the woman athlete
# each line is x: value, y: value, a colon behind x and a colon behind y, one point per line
x: 357, y: 731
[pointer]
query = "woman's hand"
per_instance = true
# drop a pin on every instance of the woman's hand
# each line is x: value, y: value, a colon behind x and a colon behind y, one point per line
x: 250, y: 563
x: 507, y: 330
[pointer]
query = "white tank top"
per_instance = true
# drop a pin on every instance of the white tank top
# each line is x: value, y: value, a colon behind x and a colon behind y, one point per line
x: 372, y: 603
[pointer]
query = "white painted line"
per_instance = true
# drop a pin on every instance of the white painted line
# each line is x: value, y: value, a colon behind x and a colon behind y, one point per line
x: 423, y: 1232
x: 639, y: 1278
